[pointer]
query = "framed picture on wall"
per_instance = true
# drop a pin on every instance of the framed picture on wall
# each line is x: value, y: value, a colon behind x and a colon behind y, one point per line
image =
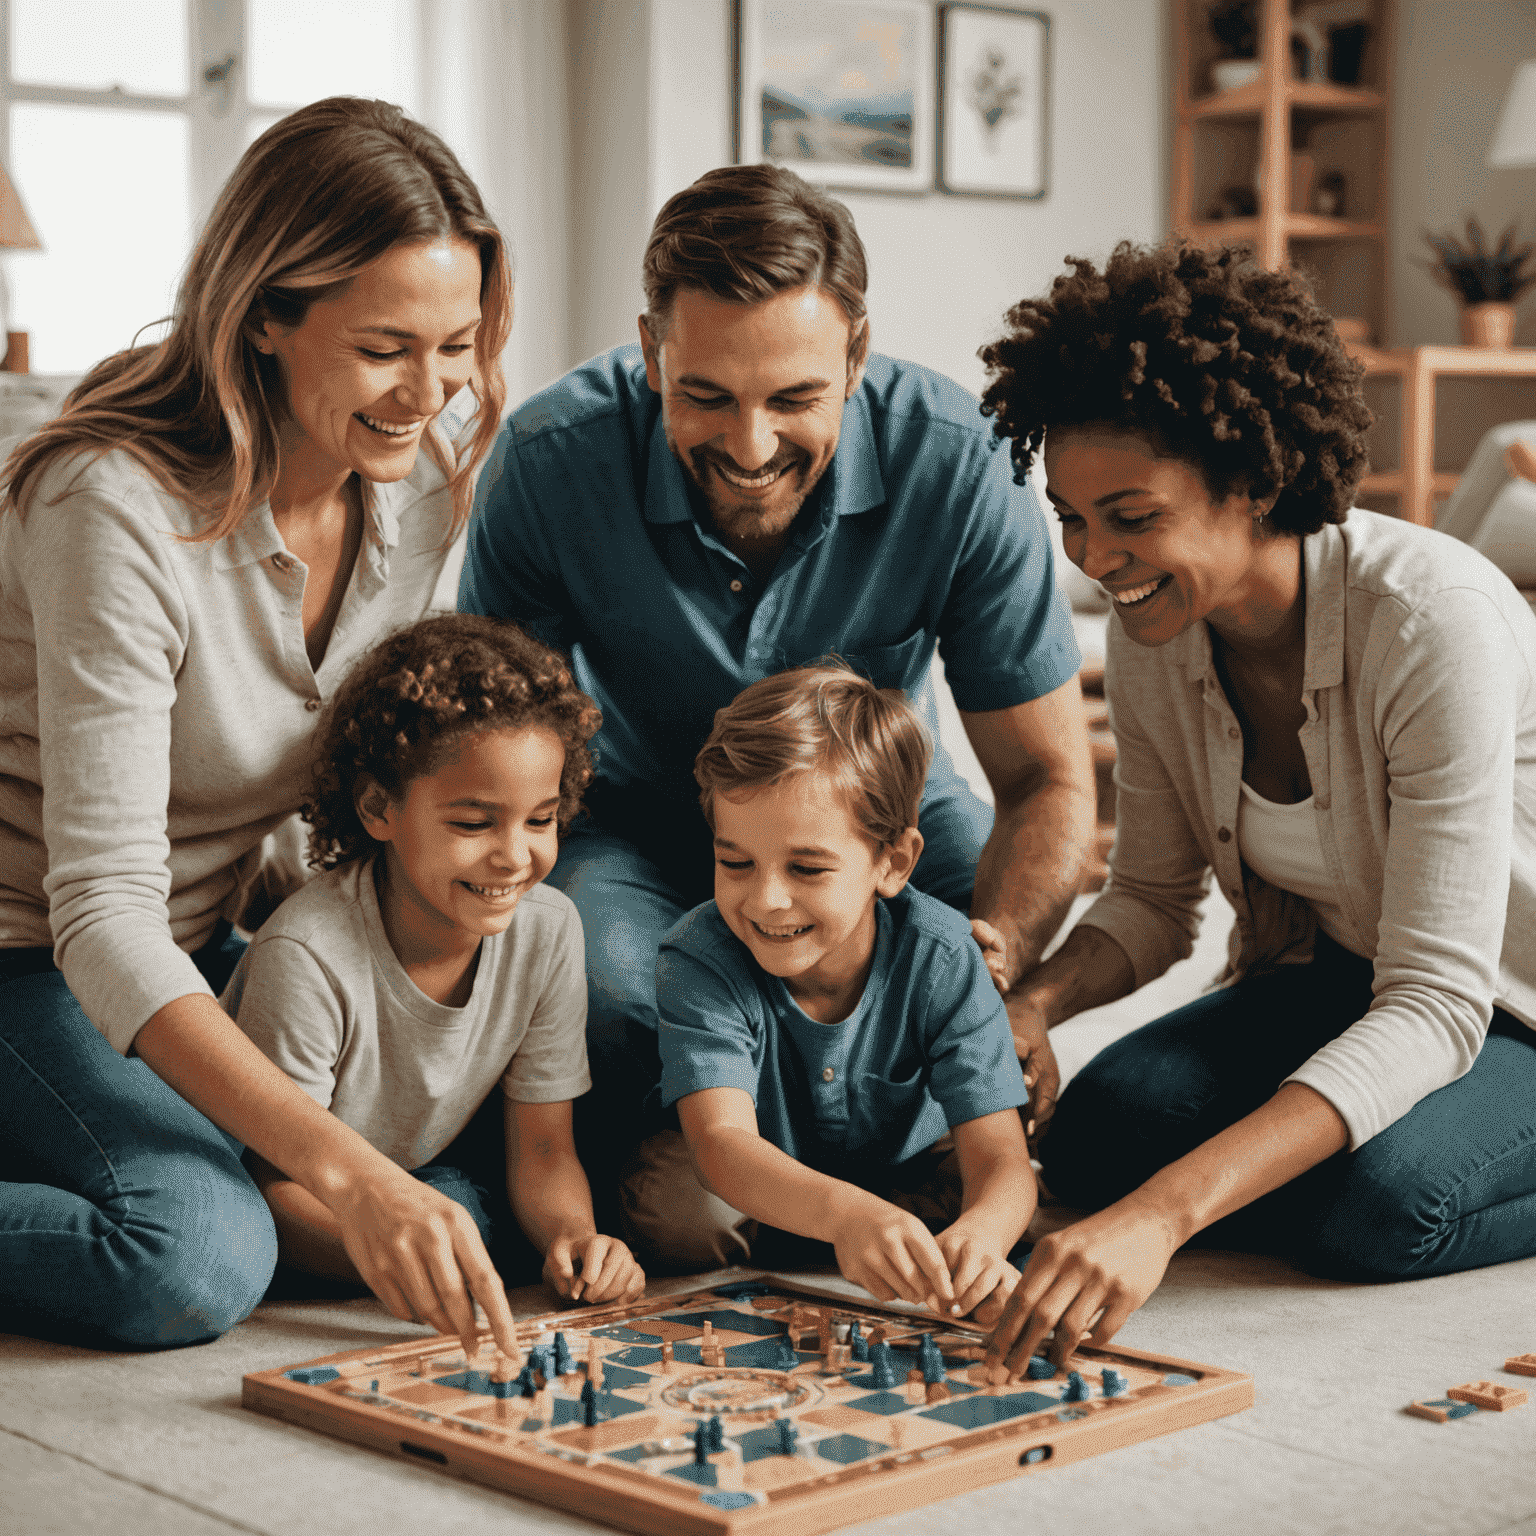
x: 839, y: 90
x: 994, y: 101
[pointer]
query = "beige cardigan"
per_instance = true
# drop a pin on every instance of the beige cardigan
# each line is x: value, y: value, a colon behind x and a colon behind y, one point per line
x: 157, y: 707
x: 1420, y: 741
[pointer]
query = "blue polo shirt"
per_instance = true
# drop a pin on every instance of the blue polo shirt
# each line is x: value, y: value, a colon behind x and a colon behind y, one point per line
x: 584, y: 532
x: 928, y: 1046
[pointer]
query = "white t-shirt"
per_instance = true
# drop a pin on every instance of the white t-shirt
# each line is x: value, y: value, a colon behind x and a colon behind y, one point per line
x: 323, y: 995
x: 1280, y: 844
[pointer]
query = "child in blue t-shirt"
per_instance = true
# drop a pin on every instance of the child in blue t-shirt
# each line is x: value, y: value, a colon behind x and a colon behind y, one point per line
x: 822, y: 1024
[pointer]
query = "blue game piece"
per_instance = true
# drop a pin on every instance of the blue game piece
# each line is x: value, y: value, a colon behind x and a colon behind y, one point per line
x: 701, y: 1444
x: 1039, y: 1368
x: 716, y: 1434
x: 788, y: 1435
x: 564, y: 1365
x: 930, y: 1361
x: 1077, y: 1389
x: 882, y: 1368
x: 588, y: 1404
x: 373, y: 1386
x: 1178, y: 1379
x: 525, y: 1382
x: 858, y: 1343
x: 313, y: 1375
x: 1115, y: 1385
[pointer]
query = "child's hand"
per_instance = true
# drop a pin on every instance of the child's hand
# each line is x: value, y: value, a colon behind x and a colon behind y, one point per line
x: 592, y: 1269
x: 978, y: 1268
x: 892, y: 1254
x: 994, y: 950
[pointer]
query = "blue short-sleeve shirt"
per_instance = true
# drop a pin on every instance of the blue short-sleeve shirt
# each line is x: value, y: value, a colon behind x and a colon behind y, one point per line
x: 584, y: 532
x: 927, y: 1048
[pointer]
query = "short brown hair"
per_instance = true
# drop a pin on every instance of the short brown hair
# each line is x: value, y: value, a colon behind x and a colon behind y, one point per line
x: 743, y: 233
x: 1214, y: 361
x: 823, y: 718
x: 406, y: 703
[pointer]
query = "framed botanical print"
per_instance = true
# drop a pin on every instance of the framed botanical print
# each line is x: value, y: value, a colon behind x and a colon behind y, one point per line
x: 994, y: 101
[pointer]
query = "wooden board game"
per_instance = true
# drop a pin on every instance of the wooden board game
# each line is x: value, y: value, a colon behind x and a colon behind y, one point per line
x: 752, y: 1407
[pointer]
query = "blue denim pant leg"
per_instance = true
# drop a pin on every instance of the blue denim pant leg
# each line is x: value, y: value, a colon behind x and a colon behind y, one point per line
x: 1451, y: 1185
x: 126, y: 1220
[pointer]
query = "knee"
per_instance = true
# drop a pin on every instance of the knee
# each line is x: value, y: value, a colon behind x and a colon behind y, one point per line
x: 671, y: 1221
x: 1376, y: 1228
x: 192, y: 1263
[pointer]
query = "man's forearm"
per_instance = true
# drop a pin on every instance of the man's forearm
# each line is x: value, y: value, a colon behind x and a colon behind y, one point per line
x: 551, y: 1198
x: 1089, y: 970
x: 1029, y: 870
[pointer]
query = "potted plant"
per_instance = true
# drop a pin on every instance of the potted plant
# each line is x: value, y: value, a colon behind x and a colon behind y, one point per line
x: 1235, y: 25
x: 1486, y: 281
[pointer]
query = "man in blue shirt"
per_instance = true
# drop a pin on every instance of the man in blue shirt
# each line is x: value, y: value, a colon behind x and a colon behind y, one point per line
x: 749, y: 490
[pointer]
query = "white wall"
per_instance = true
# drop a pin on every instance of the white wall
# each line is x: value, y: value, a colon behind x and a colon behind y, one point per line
x: 942, y: 269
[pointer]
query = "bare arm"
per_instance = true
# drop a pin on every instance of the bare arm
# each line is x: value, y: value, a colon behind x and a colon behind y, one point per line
x: 879, y: 1246
x: 549, y: 1194
x: 416, y: 1249
x: 998, y: 1199
x: 1108, y: 1264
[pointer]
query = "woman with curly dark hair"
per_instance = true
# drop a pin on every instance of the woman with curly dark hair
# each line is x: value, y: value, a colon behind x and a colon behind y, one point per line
x: 1335, y: 713
x: 428, y: 979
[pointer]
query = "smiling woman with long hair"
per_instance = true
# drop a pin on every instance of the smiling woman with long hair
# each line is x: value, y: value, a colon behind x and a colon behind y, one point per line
x: 191, y: 556
x: 1333, y: 713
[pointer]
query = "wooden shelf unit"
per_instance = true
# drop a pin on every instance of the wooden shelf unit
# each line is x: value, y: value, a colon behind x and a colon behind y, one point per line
x: 1250, y: 136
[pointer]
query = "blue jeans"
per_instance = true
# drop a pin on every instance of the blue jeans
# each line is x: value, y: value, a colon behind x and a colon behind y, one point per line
x: 636, y: 864
x: 1449, y: 1186
x: 126, y: 1220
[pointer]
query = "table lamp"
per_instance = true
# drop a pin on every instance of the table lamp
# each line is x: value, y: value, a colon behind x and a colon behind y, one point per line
x: 17, y: 234
x: 1514, y: 140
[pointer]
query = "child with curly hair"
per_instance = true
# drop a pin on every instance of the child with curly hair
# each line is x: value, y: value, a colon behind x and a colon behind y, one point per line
x: 427, y: 964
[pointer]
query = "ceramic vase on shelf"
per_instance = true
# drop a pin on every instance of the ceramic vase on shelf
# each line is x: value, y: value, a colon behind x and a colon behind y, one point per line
x: 1488, y: 325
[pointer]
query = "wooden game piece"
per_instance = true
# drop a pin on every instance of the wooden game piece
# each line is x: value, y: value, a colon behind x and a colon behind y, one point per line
x: 896, y: 1428
x: 1521, y: 1365
x: 1439, y: 1410
x: 916, y: 1387
x: 594, y: 1364
x: 935, y: 1392
x: 1490, y: 1395
x: 668, y: 1364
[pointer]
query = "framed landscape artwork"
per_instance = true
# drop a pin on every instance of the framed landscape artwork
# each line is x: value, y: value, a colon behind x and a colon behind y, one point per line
x: 994, y: 82
x: 839, y: 90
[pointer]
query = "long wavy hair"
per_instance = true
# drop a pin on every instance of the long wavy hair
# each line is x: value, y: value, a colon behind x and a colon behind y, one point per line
x: 313, y: 201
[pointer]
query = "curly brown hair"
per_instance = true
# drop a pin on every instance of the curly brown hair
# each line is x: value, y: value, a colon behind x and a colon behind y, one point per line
x: 1213, y: 360
x: 402, y: 707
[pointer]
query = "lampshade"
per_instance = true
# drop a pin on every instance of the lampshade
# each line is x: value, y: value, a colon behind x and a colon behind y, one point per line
x: 15, y: 227
x: 1514, y: 140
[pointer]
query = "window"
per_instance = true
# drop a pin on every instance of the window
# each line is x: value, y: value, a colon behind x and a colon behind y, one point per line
x: 122, y: 122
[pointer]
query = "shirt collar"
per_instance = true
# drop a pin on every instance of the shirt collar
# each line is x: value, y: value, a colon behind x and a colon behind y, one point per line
x: 257, y: 539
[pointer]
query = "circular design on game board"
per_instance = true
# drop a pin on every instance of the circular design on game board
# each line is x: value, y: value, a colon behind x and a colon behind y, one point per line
x: 740, y: 1391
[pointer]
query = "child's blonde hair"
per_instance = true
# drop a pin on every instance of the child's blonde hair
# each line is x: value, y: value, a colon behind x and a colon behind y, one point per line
x: 826, y: 718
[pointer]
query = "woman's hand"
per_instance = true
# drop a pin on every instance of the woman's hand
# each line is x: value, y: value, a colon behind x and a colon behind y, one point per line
x: 1104, y: 1267
x: 892, y: 1254
x: 593, y: 1268
x: 420, y: 1253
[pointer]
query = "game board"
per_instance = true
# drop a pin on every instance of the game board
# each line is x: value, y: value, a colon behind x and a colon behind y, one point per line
x: 740, y: 1409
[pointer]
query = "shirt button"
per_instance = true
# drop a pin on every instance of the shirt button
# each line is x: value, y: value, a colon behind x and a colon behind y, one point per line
x: 311, y: 705
x: 827, y: 1074
x: 735, y: 586
x: 1233, y: 732
x: 1224, y: 835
